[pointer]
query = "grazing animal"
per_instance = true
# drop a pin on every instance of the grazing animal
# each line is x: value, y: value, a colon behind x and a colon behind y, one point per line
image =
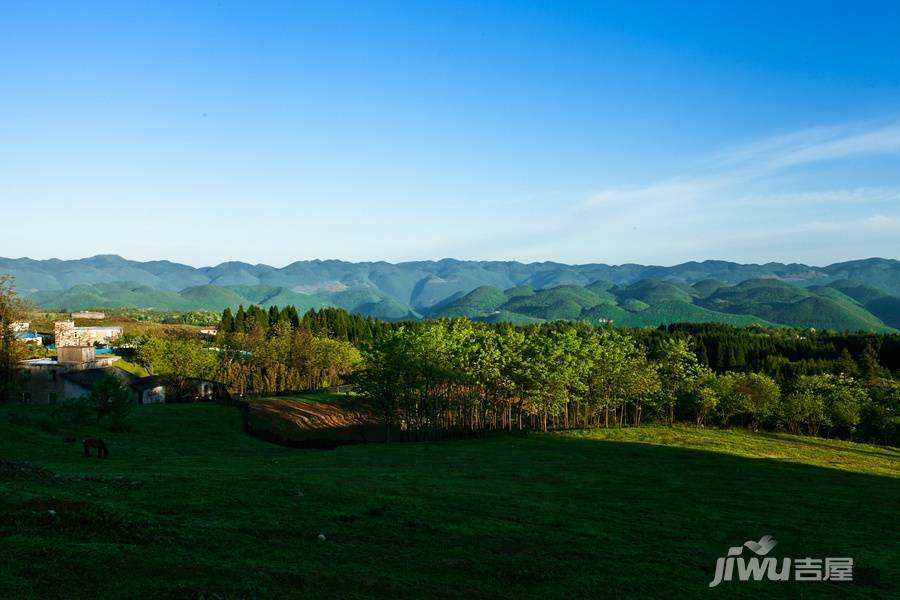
x: 100, y: 445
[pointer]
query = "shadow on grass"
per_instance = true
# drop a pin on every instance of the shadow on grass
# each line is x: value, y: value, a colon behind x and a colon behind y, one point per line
x: 504, y: 516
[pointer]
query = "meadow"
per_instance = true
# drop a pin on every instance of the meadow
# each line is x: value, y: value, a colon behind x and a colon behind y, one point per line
x: 190, y: 506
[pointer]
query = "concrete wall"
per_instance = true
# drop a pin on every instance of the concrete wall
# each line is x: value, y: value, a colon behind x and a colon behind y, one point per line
x: 42, y: 384
x: 75, y: 354
x: 155, y: 395
x: 68, y: 335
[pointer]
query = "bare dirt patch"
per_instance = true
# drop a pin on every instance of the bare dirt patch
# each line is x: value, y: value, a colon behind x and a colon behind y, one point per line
x: 314, y: 424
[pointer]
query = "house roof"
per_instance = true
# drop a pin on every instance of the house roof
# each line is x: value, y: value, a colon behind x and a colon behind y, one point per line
x: 39, y: 362
x: 157, y: 380
x: 88, y: 378
x: 150, y: 382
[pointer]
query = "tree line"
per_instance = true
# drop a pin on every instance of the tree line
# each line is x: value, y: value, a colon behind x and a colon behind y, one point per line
x: 259, y: 351
x: 449, y: 377
x: 432, y: 379
x: 785, y: 353
x: 334, y: 323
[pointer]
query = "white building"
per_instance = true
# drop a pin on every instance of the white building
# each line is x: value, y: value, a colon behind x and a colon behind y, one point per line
x: 69, y: 335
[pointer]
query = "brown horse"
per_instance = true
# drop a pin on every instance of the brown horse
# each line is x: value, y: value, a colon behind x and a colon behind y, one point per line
x: 100, y: 445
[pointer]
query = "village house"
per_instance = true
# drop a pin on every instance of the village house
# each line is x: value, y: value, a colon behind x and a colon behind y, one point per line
x: 67, y: 334
x: 153, y: 390
x: 78, y: 369
x: 20, y: 326
x: 30, y: 337
x: 44, y: 380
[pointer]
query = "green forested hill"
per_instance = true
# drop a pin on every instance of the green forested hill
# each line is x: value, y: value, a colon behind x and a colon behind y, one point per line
x: 646, y: 303
x: 877, y: 302
x: 213, y: 297
x: 654, y: 302
x: 203, y: 297
x: 780, y: 302
x: 856, y: 295
x: 422, y: 284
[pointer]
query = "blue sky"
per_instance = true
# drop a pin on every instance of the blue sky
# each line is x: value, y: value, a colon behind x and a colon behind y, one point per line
x: 652, y: 132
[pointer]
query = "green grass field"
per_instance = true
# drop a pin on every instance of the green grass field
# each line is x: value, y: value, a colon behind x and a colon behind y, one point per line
x: 188, y: 506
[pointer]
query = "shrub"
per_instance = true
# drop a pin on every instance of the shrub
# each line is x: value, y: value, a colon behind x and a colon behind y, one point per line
x: 73, y: 414
x: 111, y: 399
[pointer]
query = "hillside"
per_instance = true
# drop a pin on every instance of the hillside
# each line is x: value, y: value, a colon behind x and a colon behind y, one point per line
x: 422, y: 284
x: 628, y: 295
x: 655, y: 302
x: 880, y: 304
x: 203, y: 297
x: 562, y: 515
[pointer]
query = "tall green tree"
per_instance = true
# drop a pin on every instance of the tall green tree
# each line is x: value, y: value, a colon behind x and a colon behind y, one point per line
x: 678, y: 367
x: 11, y: 351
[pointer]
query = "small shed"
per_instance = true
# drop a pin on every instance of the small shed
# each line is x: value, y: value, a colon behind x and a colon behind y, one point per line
x: 158, y: 389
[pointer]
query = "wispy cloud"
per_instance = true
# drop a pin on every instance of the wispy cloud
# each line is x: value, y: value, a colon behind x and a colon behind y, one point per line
x: 813, y: 146
x: 769, y: 200
x: 753, y: 162
x: 748, y: 201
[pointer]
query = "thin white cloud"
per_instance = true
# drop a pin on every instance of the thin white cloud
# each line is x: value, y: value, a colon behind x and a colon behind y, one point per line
x: 813, y: 146
x: 728, y: 203
x: 847, y: 197
x: 754, y: 162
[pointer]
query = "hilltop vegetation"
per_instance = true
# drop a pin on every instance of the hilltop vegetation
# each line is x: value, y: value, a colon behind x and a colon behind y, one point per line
x: 654, y: 302
x: 118, y: 295
x: 628, y: 295
x: 433, y: 379
x: 424, y: 283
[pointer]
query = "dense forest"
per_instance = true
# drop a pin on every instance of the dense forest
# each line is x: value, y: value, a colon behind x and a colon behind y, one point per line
x: 432, y: 379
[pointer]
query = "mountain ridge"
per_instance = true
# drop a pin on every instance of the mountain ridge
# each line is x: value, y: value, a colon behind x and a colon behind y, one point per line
x: 40, y: 275
x: 864, y: 293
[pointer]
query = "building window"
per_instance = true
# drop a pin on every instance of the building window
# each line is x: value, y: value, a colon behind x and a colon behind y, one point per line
x: 51, y: 375
x: 52, y: 398
x: 26, y: 397
x: 26, y: 373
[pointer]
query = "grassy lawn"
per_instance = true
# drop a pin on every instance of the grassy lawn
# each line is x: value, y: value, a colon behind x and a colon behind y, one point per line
x: 188, y: 506
x: 861, y: 458
x: 131, y: 367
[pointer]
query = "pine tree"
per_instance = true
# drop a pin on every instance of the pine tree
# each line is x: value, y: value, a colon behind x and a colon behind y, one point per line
x: 273, y: 315
x: 702, y: 354
x: 869, y: 366
x: 227, y: 323
x: 845, y: 365
x: 240, y: 320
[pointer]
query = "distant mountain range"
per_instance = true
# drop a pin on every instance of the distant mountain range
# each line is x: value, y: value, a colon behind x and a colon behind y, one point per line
x: 852, y: 295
